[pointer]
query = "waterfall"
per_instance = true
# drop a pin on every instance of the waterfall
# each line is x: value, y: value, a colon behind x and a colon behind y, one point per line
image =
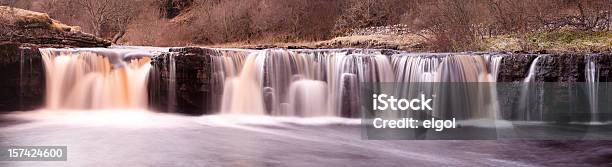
x: 533, y: 69
x: 172, y: 82
x: 435, y: 73
x: 289, y: 83
x: 327, y: 82
x: 530, y: 94
x: 242, y: 94
x: 494, y: 61
x: 414, y: 68
x: 95, y: 78
x: 295, y: 83
x: 592, y: 80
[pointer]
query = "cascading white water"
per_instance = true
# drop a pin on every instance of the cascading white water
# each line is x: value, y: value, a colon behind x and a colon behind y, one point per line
x: 494, y: 61
x: 533, y: 69
x: 95, y: 78
x: 303, y: 83
x: 413, y: 68
x: 172, y: 82
x: 266, y: 82
x: 242, y: 94
x: 592, y: 80
x: 426, y: 73
x: 327, y: 82
x: 288, y: 83
x: 531, y: 93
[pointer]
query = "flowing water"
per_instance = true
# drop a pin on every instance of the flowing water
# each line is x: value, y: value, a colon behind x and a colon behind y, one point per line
x: 277, y: 81
x: 95, y: 78
x: 532, y: 93
x: 302, y: 83
x: 592, y: 79
x: 276, y: 108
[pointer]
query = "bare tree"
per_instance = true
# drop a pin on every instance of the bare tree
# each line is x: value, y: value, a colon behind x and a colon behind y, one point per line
x: 109, y: 18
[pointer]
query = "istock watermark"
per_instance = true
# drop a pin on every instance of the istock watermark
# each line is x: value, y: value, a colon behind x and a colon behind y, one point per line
x: 486, y: 111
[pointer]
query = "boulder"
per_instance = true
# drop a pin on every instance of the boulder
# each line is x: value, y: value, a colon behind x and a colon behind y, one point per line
x: 28, y: 28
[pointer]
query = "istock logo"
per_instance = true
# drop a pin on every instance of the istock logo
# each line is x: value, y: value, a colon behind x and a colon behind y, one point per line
x: 381, y: 102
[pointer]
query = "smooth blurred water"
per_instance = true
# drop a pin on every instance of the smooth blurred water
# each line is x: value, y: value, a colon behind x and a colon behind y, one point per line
x: 140, y: 138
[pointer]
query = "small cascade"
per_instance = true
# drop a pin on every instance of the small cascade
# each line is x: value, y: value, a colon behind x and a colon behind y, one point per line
x: 533, y: 69
x: 435, y: 73
x: 172, y: 82
x: 531, y: 95
x: 96, y: 78
x: 327, y: 82
x: 289, y: 83
x: 493, y: 63
x: 225, y: 65
x: 414, y: 68
x: 243, y: 94
x: 445, y: 68
x: 592, y: 80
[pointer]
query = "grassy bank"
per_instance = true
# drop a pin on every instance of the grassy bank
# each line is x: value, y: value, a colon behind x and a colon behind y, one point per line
x: 563, y: 40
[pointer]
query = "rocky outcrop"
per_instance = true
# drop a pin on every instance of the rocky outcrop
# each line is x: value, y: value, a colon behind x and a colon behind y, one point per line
x: 179, y: 81
x: 549, y: 101
x: 22, y: 32
x: 23, y: 84
x: 514, y: 67
x: 569, y: 67
x: 22, y: 27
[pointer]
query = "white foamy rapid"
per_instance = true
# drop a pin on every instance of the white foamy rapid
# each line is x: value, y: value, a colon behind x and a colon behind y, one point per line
x: 96, y: 78
x: 275, y: 82
x: 315, y: 83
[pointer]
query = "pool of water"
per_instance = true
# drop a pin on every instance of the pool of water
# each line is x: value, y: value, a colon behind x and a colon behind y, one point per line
x: 141, y: 138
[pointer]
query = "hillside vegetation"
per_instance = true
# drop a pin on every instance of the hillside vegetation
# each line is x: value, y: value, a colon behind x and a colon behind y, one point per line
x: 426, y: 25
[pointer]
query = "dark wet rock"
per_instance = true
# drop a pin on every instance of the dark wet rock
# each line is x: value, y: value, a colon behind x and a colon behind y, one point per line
x: 349, y: 101
x: 23, y: 75
x: 298, y: 47
x: 561, y: 68
x: 514, y: 67
x: 558, y: 68
x: 568, y: 67
x: 188, y: 90
x: 603, y: 62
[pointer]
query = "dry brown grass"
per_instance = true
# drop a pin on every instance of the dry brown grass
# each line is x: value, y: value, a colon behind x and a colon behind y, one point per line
x: 28, y: 19
x: 408, y: 42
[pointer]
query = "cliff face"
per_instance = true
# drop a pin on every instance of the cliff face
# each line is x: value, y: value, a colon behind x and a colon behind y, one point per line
x: 569, y: 67
x: 23, y: 75
x: 180, y: 81
x: 22, y: 32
